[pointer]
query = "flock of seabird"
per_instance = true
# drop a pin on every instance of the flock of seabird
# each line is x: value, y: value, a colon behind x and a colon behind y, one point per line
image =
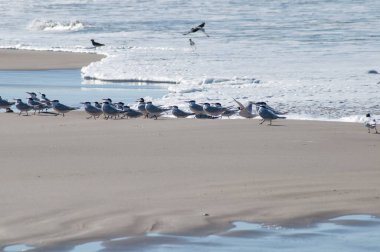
x: 200, y: 27
x: 146, y: 109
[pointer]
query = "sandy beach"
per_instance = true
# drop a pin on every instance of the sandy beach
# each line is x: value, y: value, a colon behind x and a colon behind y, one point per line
x: 67, y: 179
x: 11, y: 59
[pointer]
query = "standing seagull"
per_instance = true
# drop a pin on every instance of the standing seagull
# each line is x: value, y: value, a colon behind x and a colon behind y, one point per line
x: 23, y: 107
x: 198, y: 28
x: 61, y: 108
x: 92, y: 110
x: 154, y: 111
x: 370, y: 123
x: 4, y: 104
x: 245, y: 111
x: 268, y: 115
x: 96, y: 44
x: 180, y: 113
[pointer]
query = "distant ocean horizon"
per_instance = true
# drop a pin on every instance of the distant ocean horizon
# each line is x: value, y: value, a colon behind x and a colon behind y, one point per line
x: 310, y: 58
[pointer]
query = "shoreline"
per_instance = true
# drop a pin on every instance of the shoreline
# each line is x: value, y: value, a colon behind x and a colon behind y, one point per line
x: 30, y: 60
x: 129, y: 177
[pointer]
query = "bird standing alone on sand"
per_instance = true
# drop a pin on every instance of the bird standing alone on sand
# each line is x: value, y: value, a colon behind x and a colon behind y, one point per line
x: 96, y: 44
x: 370, y: 123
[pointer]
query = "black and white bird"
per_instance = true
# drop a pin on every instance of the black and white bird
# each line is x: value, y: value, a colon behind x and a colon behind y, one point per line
x: 200, y: 27
x: 370, y: 123
x: 96, y: 44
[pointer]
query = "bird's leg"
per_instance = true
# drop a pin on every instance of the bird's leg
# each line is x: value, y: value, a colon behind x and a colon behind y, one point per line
x: 270, y: 122
x: 155, y: 117
x: 369, y: 131
x: 63, y: 114
x: 262, y: 121
x: 19, y: 113
x: 376, y: 130
x: 88, y: 117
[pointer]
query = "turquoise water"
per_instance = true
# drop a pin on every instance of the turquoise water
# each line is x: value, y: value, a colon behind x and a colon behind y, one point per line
x: 68, y: 87
x: 353, y: 233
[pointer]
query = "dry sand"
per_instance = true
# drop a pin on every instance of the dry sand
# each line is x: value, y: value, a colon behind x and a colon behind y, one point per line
x: 69, y: 179
x: 11, y: 59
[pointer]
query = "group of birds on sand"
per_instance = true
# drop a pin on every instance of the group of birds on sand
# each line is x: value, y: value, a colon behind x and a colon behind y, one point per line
x: 147, y: 109
x: 144, y: 109
x: 200, y: 27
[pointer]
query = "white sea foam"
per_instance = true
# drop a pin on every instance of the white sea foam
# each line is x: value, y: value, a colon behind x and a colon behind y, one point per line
x: 55, y: 26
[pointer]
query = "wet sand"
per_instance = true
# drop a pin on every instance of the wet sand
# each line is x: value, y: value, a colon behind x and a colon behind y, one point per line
x: 68, y: 179
x: 11, y: 59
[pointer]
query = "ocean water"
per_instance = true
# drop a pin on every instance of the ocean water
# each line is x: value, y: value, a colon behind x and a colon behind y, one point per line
x: 352, y: 233
x: 310, y: 58
x: 67, y: 86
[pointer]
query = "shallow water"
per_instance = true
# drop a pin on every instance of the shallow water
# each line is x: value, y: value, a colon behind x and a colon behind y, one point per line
x: 307, y: 57
x: 352, y: 233
x: 68, y: 87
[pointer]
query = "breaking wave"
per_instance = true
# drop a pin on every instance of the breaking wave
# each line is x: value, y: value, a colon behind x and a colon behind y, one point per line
x: 55, y: 26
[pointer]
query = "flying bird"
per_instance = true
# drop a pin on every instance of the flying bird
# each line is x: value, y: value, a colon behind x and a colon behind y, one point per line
x: 197, y: 28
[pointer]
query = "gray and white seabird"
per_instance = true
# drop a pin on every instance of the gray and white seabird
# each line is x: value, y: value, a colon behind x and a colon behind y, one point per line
x: 23, y: 107
x: 92, y: 110
x: 131, y: 113
x: 228, y: 112
x: 213, y: 110
x: 4, y: 104
x: 258, y: 104
x: 109, y: 110
x: 141, y: 107
x: 245, y: 111
x: 37, y: 106
x: 268, y: 115
x: 180, y: 113
x: 195, y: 108
x: 154, y: 111
x: 61, y: 108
